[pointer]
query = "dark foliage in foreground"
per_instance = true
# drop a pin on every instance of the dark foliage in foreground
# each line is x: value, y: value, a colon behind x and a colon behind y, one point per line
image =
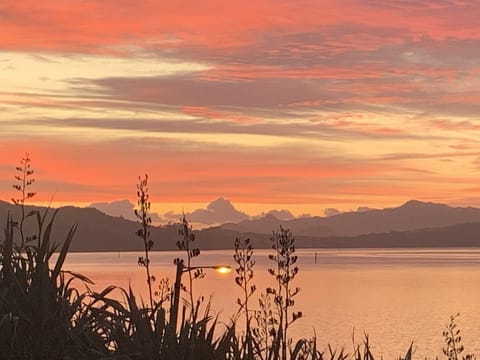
x: 45, y: 315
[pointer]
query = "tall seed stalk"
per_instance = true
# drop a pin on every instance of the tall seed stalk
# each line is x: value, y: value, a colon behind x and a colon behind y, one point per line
x: 453, y: 341
x: 266, y: 321
x: 143, y: 216
x: 24, y: 180
x: 286, y: 270
x: 185, y: 244
x: 243, y: 256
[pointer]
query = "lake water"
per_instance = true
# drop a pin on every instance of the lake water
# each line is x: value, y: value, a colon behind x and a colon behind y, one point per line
x: 396, y: 296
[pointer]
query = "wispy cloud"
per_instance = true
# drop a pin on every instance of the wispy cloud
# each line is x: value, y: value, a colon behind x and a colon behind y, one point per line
x: 341, y: 103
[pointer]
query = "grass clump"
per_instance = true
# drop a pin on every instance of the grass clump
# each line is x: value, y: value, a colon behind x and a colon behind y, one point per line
x: 40, y: 310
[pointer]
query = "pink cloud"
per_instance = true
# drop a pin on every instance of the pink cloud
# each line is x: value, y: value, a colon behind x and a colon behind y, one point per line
x: 94, y: 26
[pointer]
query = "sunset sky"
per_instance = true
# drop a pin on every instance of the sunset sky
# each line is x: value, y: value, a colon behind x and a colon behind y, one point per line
x: 272, y: 104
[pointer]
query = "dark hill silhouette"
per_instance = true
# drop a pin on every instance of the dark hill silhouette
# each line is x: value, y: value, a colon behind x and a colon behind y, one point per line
x: 410, y: 216
x: 414, y: 224
x: 96, y: 231
x: 459, y: 235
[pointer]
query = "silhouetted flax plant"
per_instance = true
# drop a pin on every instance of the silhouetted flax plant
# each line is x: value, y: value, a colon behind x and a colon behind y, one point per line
x: 453, y: 341
x: 40, y: 310
x: 143, y: 215
x: 187, y: 237
x: 266, y: 321
x: 243, y: 256
x: 284, y: 273
x: 24, y: 180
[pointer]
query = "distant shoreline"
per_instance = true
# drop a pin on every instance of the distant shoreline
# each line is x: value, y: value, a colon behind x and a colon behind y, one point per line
x: 477, y: 247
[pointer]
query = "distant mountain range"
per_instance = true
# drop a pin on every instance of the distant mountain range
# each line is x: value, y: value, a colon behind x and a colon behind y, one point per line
x: 414, y: 224
x: 412, y: 215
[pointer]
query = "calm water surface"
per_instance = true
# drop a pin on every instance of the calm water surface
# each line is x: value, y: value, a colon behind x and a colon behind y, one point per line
x: 396, y: 296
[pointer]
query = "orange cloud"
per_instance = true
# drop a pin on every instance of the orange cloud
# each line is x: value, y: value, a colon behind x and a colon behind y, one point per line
x: 76, y: 172
x: 273, y: 101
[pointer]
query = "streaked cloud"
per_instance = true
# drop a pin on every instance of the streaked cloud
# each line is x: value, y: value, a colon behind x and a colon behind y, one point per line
x: 280, y: 104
